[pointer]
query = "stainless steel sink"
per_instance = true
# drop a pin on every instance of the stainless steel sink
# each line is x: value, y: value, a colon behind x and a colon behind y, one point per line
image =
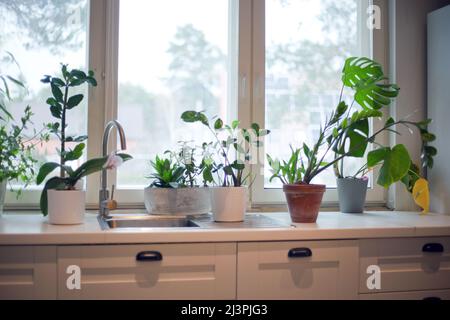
x: 206, y: 221
x: 145, y: 221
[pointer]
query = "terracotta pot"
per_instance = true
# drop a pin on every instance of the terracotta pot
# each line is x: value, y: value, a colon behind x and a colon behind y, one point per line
x: 304, y: 201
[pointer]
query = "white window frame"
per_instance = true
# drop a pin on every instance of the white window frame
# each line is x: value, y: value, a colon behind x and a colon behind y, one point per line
x: 103, y: 44
x: 260, y: 196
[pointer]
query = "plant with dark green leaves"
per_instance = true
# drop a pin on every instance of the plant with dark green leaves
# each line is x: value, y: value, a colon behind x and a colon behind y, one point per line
x: 229, y: 139
x: 167, y: 173
x: 60, y: 103
x: 366, y: 78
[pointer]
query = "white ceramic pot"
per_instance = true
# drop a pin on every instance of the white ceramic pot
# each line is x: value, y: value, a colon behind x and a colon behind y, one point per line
x: 177, y: 201
x: 228, y: 204
x: 66, y: 206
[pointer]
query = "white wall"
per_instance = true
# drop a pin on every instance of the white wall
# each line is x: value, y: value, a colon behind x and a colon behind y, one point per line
x: 408, y: 68
x: 439, y: 106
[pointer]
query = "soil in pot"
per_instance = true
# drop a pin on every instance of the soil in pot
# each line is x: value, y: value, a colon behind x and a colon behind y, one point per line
x: 304, y: 201
x: 352, y: 194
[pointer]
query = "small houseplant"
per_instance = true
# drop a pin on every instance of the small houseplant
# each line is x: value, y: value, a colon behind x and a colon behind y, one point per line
x: 16, y: 159
x: 62, y: 197
x: 229, y: 198
x: 176, y: 189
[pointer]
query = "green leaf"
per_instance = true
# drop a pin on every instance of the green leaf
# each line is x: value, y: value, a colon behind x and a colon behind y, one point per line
x: 396, y: 164
x: 57, y: 93
x: 74, y: 101
x: 45, y: 170
x: 53, y: 183
x: 76, y: 153
x: 238, y: 165
x: 58, y: 82
x: 366, y: 77
x: 235, y: 124
x: 194, y: 116
x: 78, y: 74
x: 355, y: 137
x: 56, y: 111
x: 428, y: 137
x: 218, y: 124
x: 374, y: 157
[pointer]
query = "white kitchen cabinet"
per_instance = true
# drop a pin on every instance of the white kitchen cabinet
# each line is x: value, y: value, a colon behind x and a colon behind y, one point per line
x: 406, y: 264
x: 165, y: 271
x: 298, y: 270
x: 28, y: 272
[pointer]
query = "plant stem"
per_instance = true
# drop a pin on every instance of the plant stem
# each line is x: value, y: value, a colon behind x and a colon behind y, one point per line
x: 63, y: 133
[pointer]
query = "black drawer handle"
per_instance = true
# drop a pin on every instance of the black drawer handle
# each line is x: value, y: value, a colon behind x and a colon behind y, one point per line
x: 149, y: 256
x: 299, y: 253
x: 432, y: 299
x: 433, y: 247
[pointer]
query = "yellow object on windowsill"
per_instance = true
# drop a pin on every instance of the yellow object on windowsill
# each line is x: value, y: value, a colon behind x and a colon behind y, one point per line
x: 421, y: 195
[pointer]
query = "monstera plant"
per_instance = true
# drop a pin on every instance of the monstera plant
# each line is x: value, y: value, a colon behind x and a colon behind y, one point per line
x: 346, y: 133
x: 372, y: 94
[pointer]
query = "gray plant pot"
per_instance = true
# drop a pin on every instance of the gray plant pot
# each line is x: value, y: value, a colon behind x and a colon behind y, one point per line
x: 352, y: 194
x: 178, y: 201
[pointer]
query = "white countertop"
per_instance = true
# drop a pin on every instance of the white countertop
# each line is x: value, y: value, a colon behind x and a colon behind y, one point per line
x: 33, y: 229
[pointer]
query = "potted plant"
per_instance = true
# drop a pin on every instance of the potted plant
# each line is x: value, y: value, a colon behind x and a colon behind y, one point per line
x: 229, y: 198
x: 366, y: 78
x: 16, y: 159
x: 63, y: 197
x: 305, y: 163
x: 175, y: 189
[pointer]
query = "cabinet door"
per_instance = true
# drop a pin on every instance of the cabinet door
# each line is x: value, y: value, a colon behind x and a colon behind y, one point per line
x: 406, y: 264
x: 27, y: 272
x: 159, y: 271
x: 298, y: 270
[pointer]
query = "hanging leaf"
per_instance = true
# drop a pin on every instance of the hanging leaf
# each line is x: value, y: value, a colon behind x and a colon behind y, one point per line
x: 421, y: 195
x: 395, y: 164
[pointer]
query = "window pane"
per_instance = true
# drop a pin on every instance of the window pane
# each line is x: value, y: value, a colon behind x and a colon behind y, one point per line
x: 41, y: 34
x: 307, y: 42
x: 174, y: 55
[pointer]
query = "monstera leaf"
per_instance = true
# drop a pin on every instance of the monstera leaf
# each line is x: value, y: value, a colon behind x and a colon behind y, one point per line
x: 355, y: 139
x: 395, y: 163
x: 366, y: 77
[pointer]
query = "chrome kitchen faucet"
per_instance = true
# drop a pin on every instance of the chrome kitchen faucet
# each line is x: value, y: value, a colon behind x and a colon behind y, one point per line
x: 104, y: 192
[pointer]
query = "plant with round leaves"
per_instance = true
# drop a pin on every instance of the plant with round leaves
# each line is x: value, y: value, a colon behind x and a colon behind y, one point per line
x: 60, y: 103
x: 229, y: 140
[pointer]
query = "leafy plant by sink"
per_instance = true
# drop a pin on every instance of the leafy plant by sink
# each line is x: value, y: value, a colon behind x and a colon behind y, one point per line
x: 176, y: 189
x: 65, y: 186
x: 232, y: 149
x: 16, y: 141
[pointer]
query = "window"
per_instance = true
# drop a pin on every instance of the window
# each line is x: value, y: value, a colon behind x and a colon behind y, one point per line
x: 275, y: 62
x: 305, y: 44
x: 41, y: 35
x: 181, y: 60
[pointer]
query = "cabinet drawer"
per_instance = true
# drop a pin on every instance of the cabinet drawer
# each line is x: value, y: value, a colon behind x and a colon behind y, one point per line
x: 166, y: 271
x: 27, y: 272
x: 315, y: 270
x: 409, y: 295
x: 407, y: 264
